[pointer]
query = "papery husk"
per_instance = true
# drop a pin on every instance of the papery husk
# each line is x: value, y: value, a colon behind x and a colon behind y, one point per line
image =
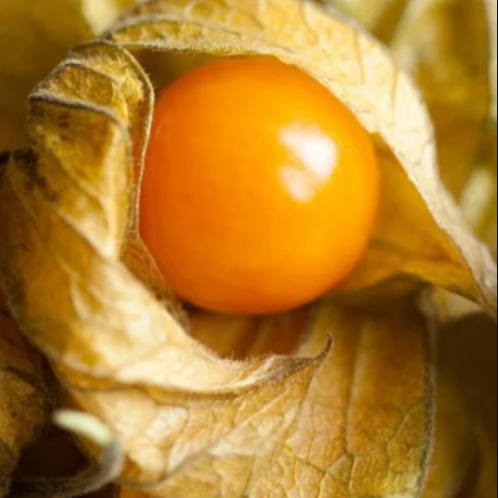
x: 190, y: 423
x: 366, y: 423
x: 24, y: 398
x: 34, y: 37
x: 380, y: 17
x: 462, y: 463
x: 449, y: 47
x: 370, y: 401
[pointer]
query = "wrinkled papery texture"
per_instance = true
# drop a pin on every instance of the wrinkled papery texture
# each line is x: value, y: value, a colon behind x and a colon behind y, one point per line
x: 465, y: 438
x: 190, y: 422
x: 366, y: 421
x: 34, y: 37
x: 449, y: 47
x: 448, y: 50
x: 380, y: 17
x: 24, y: 404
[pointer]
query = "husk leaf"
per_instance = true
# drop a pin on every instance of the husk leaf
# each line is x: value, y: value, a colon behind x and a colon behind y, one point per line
x: 449, y: 48
x: 190, y: 423
x: 358, y: 418
x: 369, y: 402
x: 380, y: 17
x: 34, y: 37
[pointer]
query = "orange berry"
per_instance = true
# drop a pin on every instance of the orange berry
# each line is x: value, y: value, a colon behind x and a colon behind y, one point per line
x: 260, y: 189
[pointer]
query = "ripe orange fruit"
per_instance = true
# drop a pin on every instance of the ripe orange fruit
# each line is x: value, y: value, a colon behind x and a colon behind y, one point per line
x: 260, y: 189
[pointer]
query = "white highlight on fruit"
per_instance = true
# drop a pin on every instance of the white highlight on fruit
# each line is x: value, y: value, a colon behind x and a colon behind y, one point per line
x: 316, y: 156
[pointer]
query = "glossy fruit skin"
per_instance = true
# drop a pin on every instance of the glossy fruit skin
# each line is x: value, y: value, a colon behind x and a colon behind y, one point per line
x: 260, y: 189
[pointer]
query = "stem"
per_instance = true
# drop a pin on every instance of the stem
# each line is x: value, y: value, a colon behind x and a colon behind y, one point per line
x: 91, y: 479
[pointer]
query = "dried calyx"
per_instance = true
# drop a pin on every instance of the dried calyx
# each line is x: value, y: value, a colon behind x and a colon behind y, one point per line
x: 186, y: 419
